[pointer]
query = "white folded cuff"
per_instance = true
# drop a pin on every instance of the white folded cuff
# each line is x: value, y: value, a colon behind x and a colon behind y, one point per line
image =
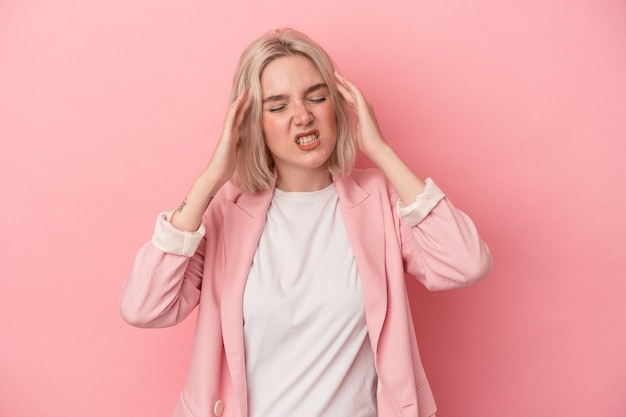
x: 175, y: 241
x: 424, y: 203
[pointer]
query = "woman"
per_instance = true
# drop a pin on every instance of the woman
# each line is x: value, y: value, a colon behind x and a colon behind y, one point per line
x: 295, y: 260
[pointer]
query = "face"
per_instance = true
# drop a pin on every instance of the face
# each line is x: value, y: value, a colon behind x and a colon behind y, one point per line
x: 298, y: 117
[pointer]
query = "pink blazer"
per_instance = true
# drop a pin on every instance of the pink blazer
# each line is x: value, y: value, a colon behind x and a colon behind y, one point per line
x: 443, y: 251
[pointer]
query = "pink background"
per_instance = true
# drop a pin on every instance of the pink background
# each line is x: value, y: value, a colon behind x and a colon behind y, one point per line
x: 517, y: 109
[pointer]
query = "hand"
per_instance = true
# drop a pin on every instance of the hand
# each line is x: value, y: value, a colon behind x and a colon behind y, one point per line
x: 219, y: 170
x: 368, y: 135
x: 223, y: 161
x: 371, y: 142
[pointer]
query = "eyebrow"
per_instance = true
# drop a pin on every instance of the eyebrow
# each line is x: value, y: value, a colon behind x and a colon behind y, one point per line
x: 309, y: 90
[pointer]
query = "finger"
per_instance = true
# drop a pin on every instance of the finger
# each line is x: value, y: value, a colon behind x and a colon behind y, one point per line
x: 233, y: 111
x: 339, y: 77
x: 357, y: 96
x: 243, y: 107
x: 346, y: 94
x: 345, y: 89
x: 350, y: 86
x: 341, y: 83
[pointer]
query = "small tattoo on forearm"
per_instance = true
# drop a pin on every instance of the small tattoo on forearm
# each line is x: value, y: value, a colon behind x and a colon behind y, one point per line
x: 182, y: 205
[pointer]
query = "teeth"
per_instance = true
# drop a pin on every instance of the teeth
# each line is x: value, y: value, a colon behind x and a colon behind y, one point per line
x: 305, y: 140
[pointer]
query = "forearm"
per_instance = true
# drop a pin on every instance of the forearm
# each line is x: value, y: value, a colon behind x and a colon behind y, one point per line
x: 220, y: 169
x: 406, y: 183
x: 188, y: 215
x: 371, y: 142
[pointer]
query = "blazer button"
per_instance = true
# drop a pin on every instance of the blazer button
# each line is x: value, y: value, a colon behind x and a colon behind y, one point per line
x: 218, y: 409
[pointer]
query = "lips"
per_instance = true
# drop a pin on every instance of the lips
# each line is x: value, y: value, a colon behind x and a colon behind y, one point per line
x: 307, y: 138
x: 308, y: 141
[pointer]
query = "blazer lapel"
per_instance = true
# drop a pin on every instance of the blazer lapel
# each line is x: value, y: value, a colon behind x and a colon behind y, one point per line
x: 363, y: 217
x: 243, y: 224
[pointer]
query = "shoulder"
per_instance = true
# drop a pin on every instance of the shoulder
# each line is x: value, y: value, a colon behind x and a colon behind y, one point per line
x: 371, y: 180
x: 231, y: 196
x: 361, y: 184
x: 367, y: 174
x: 229, y: 192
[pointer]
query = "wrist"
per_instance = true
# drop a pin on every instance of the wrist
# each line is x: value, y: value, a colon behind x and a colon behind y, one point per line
x: 379, y: 152
x: 207, y: 185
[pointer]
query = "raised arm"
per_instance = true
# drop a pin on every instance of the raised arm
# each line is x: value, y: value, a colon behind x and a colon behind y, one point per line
x: 371, y: 142
x: 220, y: 169
x: 441, y: 246
x: 164, y: 285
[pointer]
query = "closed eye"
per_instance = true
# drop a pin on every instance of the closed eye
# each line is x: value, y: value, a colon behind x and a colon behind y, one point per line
x: 318, y: 99
x: 278, y: 108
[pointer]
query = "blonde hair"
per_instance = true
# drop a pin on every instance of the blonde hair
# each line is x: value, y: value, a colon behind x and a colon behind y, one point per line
x: 255, y: 166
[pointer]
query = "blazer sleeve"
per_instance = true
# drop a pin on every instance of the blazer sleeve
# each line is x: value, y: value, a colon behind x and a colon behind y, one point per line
x: 441, y: 246
x: 164, y: 284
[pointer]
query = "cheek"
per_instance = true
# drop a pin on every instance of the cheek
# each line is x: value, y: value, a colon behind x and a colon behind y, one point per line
x: 270, y: 126
x: 327, y: 117
x: 331, y: 120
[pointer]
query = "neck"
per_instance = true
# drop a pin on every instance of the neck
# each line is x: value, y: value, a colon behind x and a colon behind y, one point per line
x: 303, y: 182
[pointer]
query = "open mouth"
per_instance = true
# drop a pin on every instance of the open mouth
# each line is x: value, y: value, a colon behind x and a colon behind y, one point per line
x: 308, y: 139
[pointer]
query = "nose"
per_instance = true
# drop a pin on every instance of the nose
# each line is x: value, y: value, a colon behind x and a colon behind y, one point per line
x: 302, y: 114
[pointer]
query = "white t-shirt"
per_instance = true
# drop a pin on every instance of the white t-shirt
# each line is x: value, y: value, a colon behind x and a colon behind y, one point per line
x: 308, y: 352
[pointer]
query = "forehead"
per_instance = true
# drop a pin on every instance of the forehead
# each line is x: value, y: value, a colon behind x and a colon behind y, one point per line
x: 289, y: 74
